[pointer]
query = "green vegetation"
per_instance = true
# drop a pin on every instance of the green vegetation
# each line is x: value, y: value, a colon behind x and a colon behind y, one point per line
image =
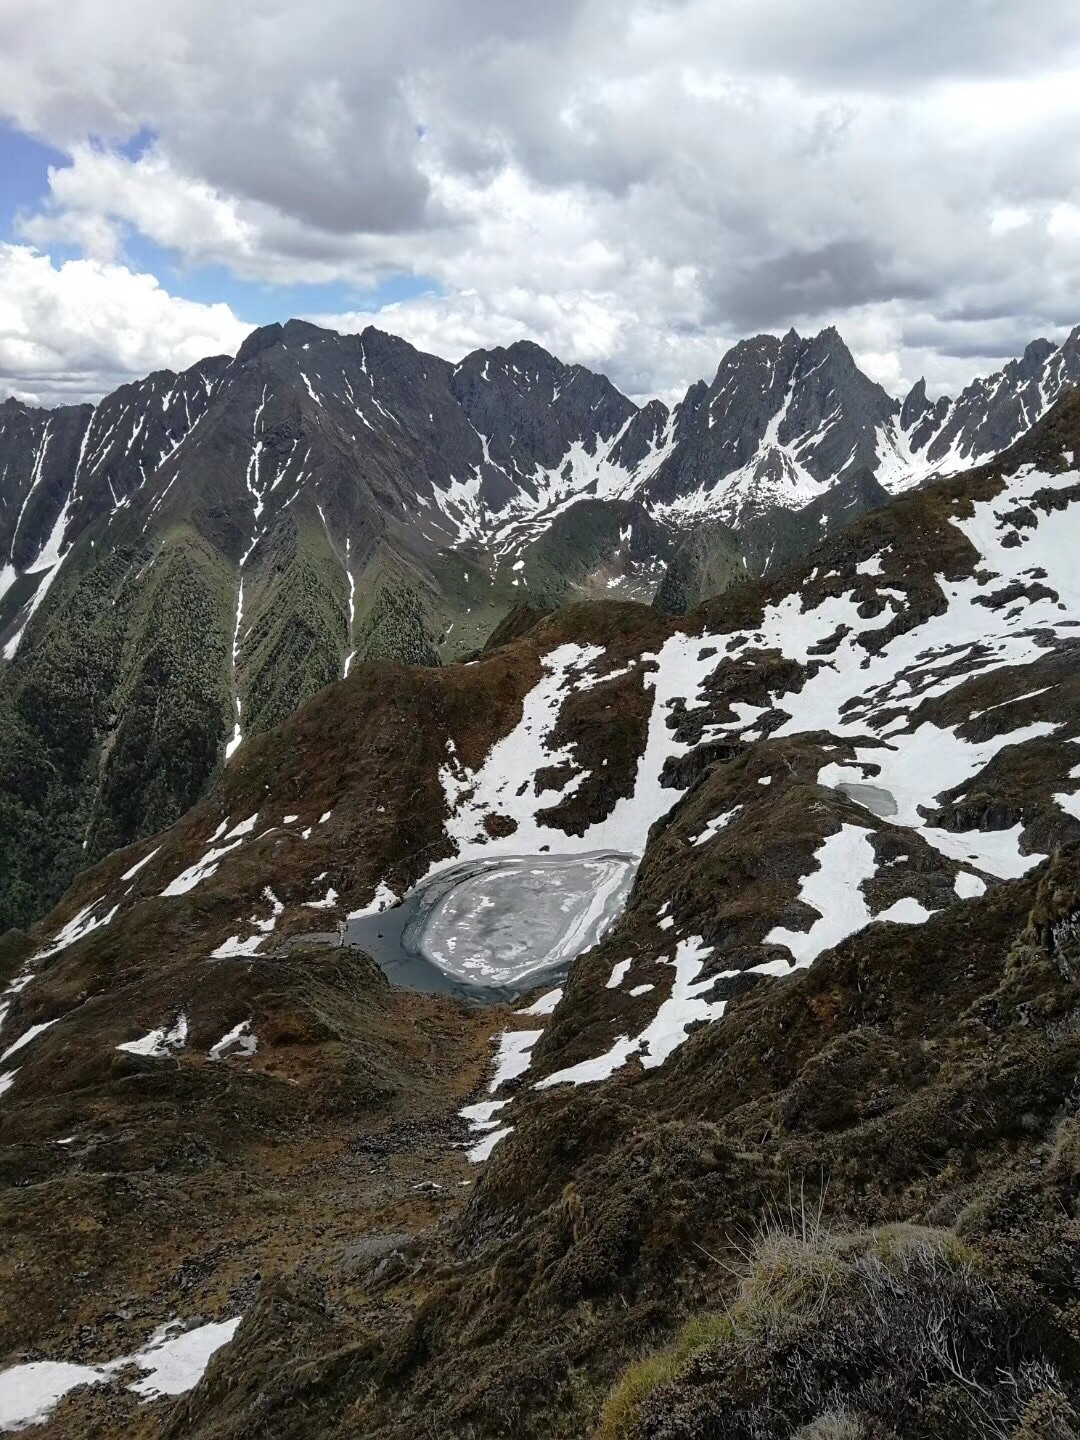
x: 296, y: 619
x: 172, y: 704
x: 707, y: 562
x: 54, y: 707
x: 849, y: 1336
x: 580, y: 540
x: 113, y: 713
x: 394, y: 614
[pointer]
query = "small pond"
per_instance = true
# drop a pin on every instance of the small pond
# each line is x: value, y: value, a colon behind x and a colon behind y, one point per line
x: 875, y: 798
x: 491, y: 929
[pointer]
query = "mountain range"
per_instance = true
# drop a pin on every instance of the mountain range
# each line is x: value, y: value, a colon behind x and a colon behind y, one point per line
x: 782, y: 1139
x: 188, y: 561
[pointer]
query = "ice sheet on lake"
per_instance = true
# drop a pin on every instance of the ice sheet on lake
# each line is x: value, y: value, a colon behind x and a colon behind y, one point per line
x: 502, y: 921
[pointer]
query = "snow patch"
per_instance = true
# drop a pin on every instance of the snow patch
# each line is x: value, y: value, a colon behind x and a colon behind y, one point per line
x: 232, y: 947
x: 26, y: 1037
x: 77, y: 928
x: 619, y: 974
x: 684, y: 1006
x: 172, y: 1364
x: 239, y: 1041
x: 483, y: 1148
x: 834, y: 890
x: 513, y: 1056
x: 545, y: 1005
x: 383, y: 899
x: 159, y: 1043
x: 130, y: 874
x: 207, y: 864
x: 969, y: 887
x: 721, y: 822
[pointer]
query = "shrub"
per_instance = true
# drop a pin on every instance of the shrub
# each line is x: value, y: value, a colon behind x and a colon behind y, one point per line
x: 851, y: 1336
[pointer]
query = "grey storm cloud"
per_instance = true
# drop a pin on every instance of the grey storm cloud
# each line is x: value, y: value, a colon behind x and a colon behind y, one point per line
x: 799, y: 283
x: 852, y: 43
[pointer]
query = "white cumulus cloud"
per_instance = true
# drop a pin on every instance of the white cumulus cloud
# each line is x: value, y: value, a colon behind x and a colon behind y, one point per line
x: 634, y: 183
x: 81, y: 328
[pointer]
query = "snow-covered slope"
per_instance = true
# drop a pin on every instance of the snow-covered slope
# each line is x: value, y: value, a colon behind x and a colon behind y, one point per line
x: 786, y: 419
x: 61, y: 470
x: 896, y: 724
x: 186, y: 563
x: 836, y: 789
x: 488, y: 452
x: 947, y: 435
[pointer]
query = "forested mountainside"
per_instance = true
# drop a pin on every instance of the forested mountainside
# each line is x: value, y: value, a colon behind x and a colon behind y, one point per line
x: 259, y: 1189
x: 192, y: 559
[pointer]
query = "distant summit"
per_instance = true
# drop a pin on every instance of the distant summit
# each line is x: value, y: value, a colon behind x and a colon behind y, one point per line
x: 187, y: 562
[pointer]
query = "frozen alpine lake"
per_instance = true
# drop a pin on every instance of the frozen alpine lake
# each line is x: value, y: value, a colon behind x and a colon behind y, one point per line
x: 498, y: 925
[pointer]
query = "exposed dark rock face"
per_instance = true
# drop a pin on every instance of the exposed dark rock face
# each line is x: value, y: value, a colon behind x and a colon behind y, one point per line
x: 993, y: 412
x: 187, y: 562
x: 799, y: 412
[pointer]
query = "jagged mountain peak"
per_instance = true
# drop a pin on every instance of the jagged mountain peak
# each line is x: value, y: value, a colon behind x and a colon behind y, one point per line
x: 265, y: 337
x: 512, y: 431
x: 783, y: 416
x: 323, y: 498
x: 1037, y: 353
x: 989, y: 414
x: 517, y: 355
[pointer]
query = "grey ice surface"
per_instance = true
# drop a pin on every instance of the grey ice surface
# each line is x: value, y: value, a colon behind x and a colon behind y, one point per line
x: 491, y: 928
x: 875, y: 798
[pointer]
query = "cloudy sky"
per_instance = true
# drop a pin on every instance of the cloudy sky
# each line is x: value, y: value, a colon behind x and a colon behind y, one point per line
x: 634, y: 183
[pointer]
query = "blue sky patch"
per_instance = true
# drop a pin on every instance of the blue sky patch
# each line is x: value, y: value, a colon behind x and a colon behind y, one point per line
x: 24, y: 177
x: 24, y: 188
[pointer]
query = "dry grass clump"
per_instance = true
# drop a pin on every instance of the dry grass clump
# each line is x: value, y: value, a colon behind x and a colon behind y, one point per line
x: 835, y: 1424
x: 848, y: 1336
x: 649, y: 1373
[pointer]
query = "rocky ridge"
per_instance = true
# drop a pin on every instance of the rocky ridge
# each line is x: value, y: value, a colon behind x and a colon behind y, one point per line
x: 847, y: 971
x: 190, y: 560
